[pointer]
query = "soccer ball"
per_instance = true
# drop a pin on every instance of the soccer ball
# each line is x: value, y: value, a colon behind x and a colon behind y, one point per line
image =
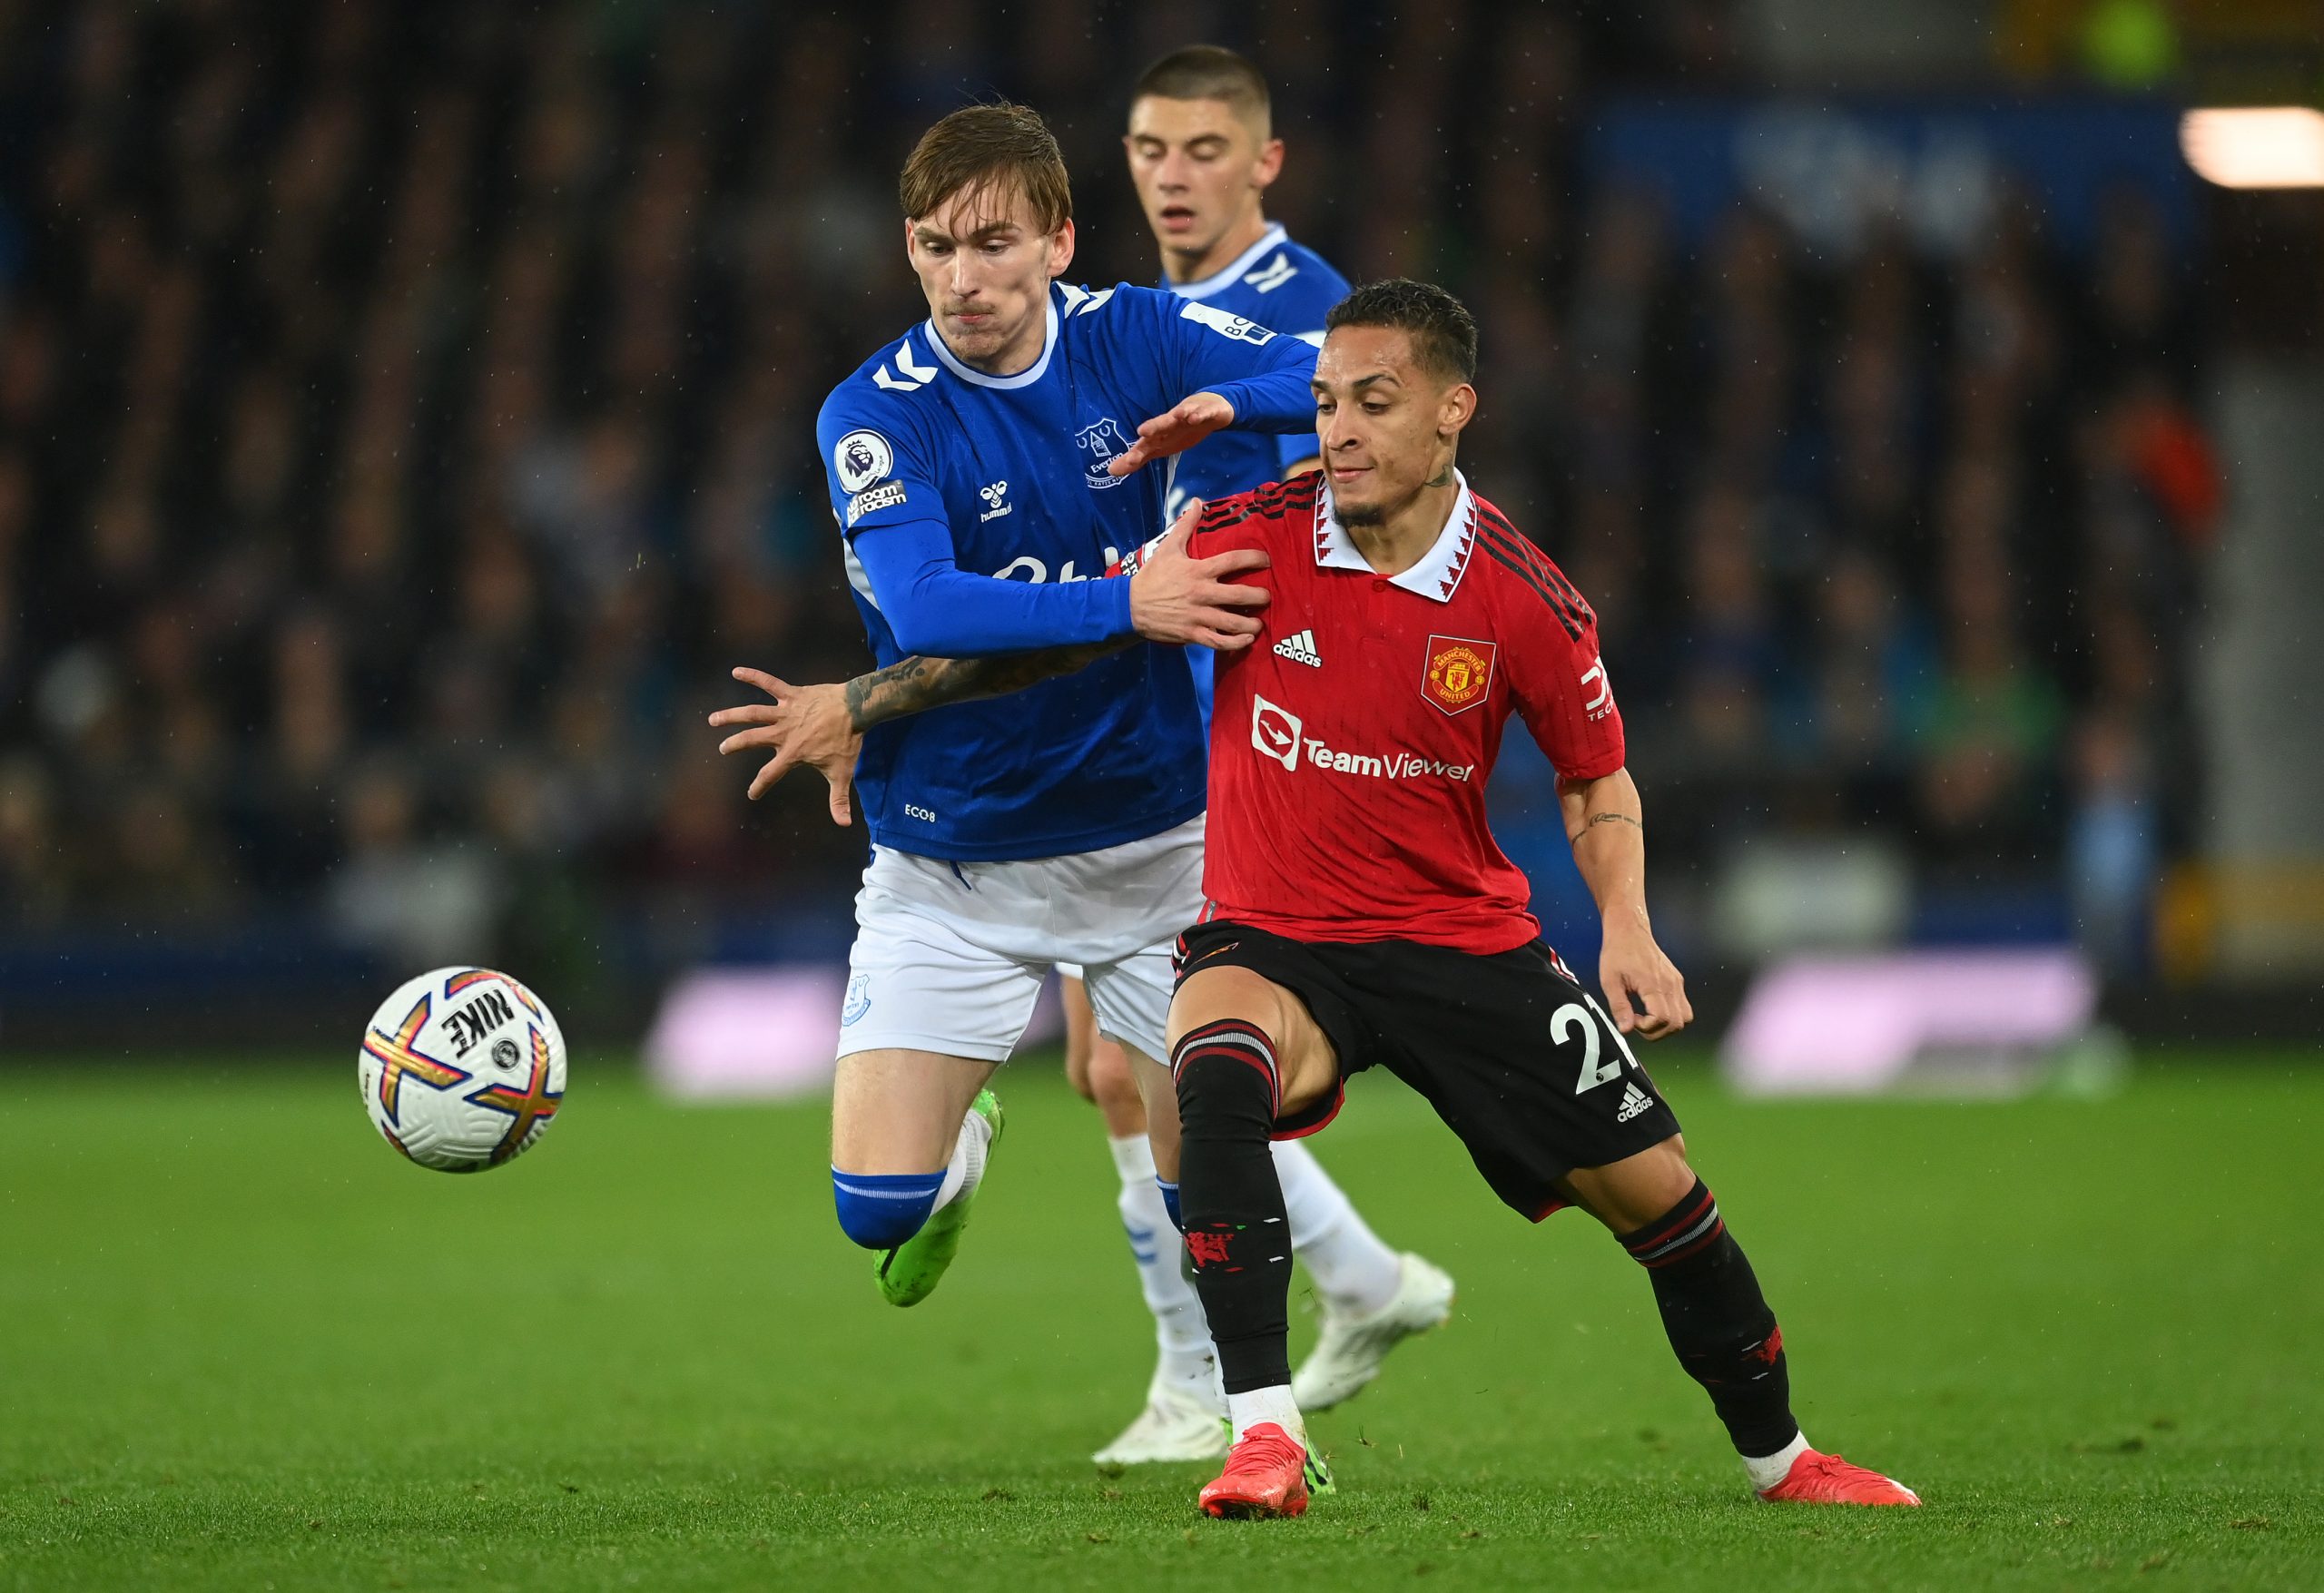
x: 462, y: 1069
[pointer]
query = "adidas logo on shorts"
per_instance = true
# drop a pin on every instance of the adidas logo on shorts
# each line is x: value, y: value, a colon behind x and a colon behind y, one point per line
x: 1634, y: 1101
x: 1300, y: 649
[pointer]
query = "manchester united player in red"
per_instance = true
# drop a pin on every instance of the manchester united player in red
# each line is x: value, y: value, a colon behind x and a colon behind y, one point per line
x: 1361, y: 914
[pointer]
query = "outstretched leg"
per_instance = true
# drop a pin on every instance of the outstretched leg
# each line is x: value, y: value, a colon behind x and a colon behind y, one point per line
x: 1719, y: 1322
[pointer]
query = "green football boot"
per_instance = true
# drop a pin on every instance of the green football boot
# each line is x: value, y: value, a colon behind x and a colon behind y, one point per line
x: 910, y: 1272
x: 1319, y: 1473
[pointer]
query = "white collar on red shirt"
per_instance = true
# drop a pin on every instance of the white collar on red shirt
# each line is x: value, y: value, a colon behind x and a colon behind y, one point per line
x: 1438, y: 571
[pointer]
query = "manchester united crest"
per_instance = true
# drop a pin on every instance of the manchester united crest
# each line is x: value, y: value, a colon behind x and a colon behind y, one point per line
x: 1459, y: 672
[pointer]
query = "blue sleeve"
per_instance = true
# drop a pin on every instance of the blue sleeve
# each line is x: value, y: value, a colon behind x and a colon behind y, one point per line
x: 937, y: 609
x: 880, y: 469
x: 1263, y: 375
x: 883, y: 474
x: 1310, y: 297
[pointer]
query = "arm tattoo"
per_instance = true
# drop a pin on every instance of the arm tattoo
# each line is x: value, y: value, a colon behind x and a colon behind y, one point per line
x: 915, y: 685
x: 1610, y: 817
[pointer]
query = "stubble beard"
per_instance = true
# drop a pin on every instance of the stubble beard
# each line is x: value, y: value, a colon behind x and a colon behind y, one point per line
x: 977, y: 345
x: 1376, y: 513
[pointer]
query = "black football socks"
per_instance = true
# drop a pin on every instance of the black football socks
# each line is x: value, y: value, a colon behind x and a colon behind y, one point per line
x: 1718, y: 1322
x: 1231, y: 1201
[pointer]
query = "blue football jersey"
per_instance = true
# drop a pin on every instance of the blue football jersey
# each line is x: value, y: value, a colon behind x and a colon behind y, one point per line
x: 1014, y: 466
x: 1287, y: 289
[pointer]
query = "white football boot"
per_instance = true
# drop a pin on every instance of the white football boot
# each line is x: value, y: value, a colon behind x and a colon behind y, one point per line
x: 1182, y: 1420
x: 1350, y: 1348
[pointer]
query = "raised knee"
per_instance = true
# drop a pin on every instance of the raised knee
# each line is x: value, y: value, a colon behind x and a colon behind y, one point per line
x: 1225, y: 1071
x: 880, y: 1211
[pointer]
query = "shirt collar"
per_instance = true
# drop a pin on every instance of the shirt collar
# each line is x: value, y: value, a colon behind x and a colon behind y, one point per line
x: 1438, y: 571
x: 1219, y: 282
x: 1023, y: 379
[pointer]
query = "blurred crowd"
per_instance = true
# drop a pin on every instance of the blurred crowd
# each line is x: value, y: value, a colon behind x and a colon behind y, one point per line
x: 406, y: 418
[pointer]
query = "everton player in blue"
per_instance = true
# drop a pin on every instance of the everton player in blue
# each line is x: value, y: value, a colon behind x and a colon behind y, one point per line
x: 1201, y: 153
x: 983, y: 468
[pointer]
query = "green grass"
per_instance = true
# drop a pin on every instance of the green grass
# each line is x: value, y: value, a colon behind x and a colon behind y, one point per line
x: 242, y: 1345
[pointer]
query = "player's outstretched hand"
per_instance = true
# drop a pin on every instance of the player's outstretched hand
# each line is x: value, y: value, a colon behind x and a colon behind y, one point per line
x: 1632, y: 964
x: 804, y: 725
x: 1175, y: 597
x: 1175, y: 432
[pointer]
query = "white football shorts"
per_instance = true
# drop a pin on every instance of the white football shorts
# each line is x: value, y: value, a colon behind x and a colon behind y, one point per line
x: 949, y: 957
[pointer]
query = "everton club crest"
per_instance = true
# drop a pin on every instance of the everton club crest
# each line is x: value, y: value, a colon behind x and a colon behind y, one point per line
x: 1459, y: 672
x: 1101, y: 444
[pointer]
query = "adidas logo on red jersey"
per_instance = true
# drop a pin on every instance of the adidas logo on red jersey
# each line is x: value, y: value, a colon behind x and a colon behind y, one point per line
x: 1300, y: 648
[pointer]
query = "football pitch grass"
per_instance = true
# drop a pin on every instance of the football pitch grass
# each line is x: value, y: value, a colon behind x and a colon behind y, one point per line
x: 244, y: 1345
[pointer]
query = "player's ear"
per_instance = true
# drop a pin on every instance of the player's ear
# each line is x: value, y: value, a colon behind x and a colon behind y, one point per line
x: 1458, y: 408
x: 1270, y: 163
x: 1061, y: 249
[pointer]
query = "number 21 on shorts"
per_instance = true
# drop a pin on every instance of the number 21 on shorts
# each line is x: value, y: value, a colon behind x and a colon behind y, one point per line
x: 1596, y: 1069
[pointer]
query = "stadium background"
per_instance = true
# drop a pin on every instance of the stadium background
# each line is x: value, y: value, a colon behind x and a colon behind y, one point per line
x: 406, y: 418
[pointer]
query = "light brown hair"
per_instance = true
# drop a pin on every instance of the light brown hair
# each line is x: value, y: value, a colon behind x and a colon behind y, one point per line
x: 1005, y: 147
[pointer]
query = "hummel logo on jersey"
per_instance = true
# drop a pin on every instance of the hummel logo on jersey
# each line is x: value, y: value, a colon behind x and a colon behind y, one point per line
x: 994, y: 508
x: 1300, y: 649
x: 1634, y: 1101
x: 915, y: 377
x: 1274, y: 274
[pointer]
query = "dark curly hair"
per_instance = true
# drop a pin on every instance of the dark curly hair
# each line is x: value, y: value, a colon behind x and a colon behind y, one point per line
x: 1443, y: 333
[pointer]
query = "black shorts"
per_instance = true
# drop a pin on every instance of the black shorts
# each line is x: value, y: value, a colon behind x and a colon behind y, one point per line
x: 1515, y: 1057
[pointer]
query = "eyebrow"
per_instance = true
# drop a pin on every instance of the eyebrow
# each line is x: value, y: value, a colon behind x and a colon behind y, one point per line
x: 1358, y: 385
x: 926, y: 234
x: 1205, y: 137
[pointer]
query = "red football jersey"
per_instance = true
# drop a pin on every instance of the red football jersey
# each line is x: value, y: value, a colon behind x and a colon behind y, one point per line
x: 1350, y: 743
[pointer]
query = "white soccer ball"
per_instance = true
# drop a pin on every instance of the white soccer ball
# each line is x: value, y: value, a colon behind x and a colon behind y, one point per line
x: 462, y: 1068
